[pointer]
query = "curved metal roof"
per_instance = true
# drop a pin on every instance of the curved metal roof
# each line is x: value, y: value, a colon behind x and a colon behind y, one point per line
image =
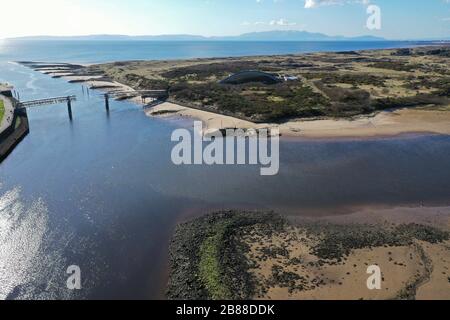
x: 251, y: 76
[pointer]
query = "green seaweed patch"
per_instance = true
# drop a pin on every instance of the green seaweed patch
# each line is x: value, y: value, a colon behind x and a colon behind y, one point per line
x: 207, y: 257
x: 210, y: 267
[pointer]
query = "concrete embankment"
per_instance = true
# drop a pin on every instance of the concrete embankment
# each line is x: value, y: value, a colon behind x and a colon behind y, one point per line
x: 12, y: 135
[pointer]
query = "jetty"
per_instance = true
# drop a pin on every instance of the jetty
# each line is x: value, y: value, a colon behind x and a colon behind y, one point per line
x: 47, y: 101
x: 143, y: 94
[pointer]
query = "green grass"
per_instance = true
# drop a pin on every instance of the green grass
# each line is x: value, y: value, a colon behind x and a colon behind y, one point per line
x: 255, y: 101
x: 2, y: 110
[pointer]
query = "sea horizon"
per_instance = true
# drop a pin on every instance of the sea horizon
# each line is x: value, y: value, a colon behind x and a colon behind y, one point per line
x: 105, y: 51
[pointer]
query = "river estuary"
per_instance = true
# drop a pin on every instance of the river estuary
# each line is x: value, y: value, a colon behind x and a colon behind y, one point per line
x: 102, y: 193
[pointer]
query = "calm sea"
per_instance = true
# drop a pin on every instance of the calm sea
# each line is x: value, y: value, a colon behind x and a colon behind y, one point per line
x: 106, y: 51
x: 101, y: 192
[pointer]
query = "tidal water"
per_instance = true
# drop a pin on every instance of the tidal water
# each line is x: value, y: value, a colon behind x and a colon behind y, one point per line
x: 102, y: 193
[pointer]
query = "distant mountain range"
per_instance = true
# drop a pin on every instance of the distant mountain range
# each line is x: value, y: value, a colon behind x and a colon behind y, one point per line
x: 254, y: 36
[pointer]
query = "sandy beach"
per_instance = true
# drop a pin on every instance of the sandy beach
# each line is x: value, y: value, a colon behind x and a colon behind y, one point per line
x: 400, y: 265
x: 382, y: 124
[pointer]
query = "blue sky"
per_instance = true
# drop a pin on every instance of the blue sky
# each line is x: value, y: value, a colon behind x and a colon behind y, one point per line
x: 400, y: 18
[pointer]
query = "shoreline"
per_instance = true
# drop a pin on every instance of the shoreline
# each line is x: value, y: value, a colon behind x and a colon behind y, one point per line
x: 386, y: 123
x: 383, y: 124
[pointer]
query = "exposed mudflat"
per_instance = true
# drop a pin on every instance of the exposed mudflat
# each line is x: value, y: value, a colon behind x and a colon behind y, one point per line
x: 248, y: 255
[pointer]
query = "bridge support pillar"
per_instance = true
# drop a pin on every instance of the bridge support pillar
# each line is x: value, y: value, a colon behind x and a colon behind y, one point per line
x: 69, y: 108
x: 107, y: 102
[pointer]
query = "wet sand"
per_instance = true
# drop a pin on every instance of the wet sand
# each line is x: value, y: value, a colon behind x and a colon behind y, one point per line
x: 420, y: 270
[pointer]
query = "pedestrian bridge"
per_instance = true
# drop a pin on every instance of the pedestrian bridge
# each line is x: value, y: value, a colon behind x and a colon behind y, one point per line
x: 43, y: 102
x: 47, y: 101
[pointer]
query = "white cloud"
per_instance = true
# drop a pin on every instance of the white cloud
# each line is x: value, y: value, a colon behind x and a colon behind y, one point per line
x: 280, y: 22
x: 317, y: 3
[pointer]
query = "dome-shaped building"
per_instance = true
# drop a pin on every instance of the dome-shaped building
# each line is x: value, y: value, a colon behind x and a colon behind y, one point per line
x: 251, y: 76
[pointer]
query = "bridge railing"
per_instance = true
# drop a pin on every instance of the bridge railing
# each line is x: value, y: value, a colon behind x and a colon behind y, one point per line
x: 47, y: 101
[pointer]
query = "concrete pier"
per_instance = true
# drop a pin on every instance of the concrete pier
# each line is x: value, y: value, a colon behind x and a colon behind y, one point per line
x: 107, y: 102
x: 69, y: 108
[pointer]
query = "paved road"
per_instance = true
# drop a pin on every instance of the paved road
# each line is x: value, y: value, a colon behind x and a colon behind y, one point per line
x: 9, y: 113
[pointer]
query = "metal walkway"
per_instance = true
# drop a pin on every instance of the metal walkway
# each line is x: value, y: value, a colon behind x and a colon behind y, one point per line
x: 42, y: 102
